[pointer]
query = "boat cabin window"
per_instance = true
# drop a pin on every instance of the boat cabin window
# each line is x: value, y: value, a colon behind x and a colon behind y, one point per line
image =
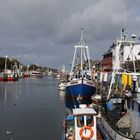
x: 90, y: 120
x: 80, y: 121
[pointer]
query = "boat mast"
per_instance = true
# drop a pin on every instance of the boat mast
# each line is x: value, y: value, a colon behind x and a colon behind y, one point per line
x: 88, y: 59
x: 73, y: 61
x: 82, y: 44
x: 117, y: 58
x: 84, y: 55
x: 133, y: 36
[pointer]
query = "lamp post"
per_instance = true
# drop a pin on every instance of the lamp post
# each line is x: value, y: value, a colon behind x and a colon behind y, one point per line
x: 5, y: 63
x: 28, y: 68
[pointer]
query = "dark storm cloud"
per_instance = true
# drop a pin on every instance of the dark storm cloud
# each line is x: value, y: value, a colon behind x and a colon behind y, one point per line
x: 44, y: 31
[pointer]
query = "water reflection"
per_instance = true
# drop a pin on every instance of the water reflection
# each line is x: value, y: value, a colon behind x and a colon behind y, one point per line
x: 30, y: 108
x: 72, y: 103
x: 62, y: 94
x: 9, y: 91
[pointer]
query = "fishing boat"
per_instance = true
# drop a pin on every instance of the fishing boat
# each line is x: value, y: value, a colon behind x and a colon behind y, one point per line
x: 26, y: 74
x: 80, y: 82
x: 12, y: 76
x: 120, y: 117
x: 3, y: 76
x: 81, y: 125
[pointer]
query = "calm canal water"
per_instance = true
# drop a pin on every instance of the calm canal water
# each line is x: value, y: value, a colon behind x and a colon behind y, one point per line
x: 32, y: 109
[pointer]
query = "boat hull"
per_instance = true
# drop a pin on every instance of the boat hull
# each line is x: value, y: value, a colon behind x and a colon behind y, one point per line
x: 110, y: 132
x: 3, y: 79
x: 80, y: 89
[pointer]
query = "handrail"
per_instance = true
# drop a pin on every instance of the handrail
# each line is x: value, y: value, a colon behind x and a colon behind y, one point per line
x: 118, y: 132
x: 136, y: 134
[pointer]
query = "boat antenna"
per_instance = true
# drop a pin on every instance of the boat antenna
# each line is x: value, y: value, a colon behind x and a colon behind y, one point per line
x: 81, y: 42
x: 133, y: 36
x: 124, y: 30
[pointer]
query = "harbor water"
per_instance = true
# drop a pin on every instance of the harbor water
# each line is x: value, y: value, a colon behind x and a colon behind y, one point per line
x: 31, y: 109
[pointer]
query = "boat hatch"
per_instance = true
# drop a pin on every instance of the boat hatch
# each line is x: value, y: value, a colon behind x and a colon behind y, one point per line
x: 79, y: 111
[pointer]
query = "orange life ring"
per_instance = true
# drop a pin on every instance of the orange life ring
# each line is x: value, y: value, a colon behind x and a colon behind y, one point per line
x: 86, y: 137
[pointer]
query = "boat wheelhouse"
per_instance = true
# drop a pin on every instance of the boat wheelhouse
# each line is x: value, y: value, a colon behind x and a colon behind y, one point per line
x: 81, y: 125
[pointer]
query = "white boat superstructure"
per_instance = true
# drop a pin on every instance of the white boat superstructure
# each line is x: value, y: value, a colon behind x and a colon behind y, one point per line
x: 36, y: 74
x: 81, y: 125
x: 84, y: 128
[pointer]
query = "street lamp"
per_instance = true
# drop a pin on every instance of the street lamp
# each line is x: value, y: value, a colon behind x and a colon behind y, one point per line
x: 6, y: 63
x: 28, y: 68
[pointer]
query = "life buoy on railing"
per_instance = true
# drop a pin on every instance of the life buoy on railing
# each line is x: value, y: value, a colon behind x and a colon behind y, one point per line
x: 86, y: 137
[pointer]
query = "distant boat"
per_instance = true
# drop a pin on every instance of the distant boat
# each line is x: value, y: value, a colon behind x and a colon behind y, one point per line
x: 63, y: 79
x: 3, y: 76
x: 36, y: 74
x: 62, y: 85
x: 26, y: 74
x: 12, y: 76
x: 8, y: 76
x: 50, y: 73
x: 63, y: 74
x: 81, y: 81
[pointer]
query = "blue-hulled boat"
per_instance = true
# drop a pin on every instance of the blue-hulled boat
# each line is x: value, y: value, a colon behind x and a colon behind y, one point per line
x: 80, y: 81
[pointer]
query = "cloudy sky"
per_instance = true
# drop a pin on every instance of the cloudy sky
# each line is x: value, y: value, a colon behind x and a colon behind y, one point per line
x: 44, y: 32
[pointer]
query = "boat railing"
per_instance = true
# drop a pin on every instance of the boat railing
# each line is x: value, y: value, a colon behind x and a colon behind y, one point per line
x: 124, y: 132
x: 136, y: 134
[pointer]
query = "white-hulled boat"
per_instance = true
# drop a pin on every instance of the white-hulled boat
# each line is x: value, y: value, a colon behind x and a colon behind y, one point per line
x: 36, y: 74
x: 62, y: 85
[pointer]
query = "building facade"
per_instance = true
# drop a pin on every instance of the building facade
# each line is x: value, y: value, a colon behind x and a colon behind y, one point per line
x: 114, y: 55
